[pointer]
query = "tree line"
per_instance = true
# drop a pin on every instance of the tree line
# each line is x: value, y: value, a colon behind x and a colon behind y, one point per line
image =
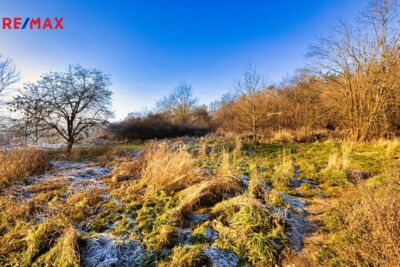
x: 352, y: 86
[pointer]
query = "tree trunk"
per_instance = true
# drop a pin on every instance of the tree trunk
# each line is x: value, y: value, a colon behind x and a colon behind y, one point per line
x: 254, y: 125
x: 69, y: 147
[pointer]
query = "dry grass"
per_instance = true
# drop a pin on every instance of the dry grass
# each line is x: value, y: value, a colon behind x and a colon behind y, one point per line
x: 47, y: 186
x: 340, y: 161
x: 257, y: 187
x: 302, y: 135
x: 81, y: 204
x: 65, y: 252
x: 42, y: 242
x: 19, y: 164
x: 238, y: 145
x: 211, y: 189
x: 283, y: 171
x: 364, y: 226
x: 169, y: 169
x: 186, y: 257
x: 246, y: 227
x: 390, y: 146
x: 282, y: 136
x: 232, y: 205
x: 130, y: 169
x: 207, y: 193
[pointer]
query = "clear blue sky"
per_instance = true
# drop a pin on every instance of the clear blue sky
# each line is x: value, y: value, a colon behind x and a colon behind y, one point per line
x: 150, y: 46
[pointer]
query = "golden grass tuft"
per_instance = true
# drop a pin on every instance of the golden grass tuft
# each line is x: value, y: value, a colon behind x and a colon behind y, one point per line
x: 51, y: 243
x: 65, y: 252
x: 390, y: 146
x: 257, y: 187
x: 211, y: 189
x: 169, y: 169
x: 130, y: 169
x: 282, y: 136
x: 283, y: 171
x: 207, y: 193
x: 80, y: 204
x: 47, y: 186
x: 19, y: 164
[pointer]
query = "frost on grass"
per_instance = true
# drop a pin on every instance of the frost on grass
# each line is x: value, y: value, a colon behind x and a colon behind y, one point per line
x: 78, y: 171
x: 105, y: 250
x: 245, y: 180
x: 65, y: 174
x: 296, y: 218
x: 197, y: 218
x: 210, y: 234
x: 297, y: 183
x: 220, y: 257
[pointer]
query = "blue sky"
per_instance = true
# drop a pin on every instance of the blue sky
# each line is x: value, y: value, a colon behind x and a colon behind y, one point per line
x: 148, y: 47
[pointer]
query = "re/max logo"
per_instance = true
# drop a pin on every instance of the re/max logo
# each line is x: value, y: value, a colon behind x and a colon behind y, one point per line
x: 18, y: 23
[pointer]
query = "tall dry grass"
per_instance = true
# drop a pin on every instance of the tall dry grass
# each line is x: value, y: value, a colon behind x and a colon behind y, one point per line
x: 340, y: 161
x: 169, y: 169
x: 21, y: 163
x: 390, y: 146
x: 283, y: 171
x: 364, y: 226
x: 211, y: 189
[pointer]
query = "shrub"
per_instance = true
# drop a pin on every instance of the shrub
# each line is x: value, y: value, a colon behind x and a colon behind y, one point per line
x: 154, y: 127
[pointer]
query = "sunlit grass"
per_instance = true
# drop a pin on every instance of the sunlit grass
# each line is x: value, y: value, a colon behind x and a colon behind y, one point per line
x: 152, y: 197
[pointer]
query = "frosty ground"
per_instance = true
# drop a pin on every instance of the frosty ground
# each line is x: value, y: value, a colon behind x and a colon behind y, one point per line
x: 190, y: 202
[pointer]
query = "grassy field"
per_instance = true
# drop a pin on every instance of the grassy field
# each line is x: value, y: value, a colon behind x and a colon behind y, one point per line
x: 210, y: 201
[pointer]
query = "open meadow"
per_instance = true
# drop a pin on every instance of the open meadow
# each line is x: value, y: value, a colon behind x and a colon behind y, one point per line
x: 210, y: 201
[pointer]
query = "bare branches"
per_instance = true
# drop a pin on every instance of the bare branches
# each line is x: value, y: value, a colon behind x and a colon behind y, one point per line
x: 69, y: 102
x: 8, y: 73
x: 363, y: 61
x: 179, y: 103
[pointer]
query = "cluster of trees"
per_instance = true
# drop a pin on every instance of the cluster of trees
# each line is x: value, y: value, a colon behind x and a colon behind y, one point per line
x: 353, y: 86
x: 177, y: 114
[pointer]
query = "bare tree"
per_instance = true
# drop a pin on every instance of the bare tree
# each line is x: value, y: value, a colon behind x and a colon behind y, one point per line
x: 70, y: 103
x: 250, y: 108
x: 301, y: 105
x: 179, y: 103
x: 32, y: 111
x: 361, y: 62
x: 8, y: 73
